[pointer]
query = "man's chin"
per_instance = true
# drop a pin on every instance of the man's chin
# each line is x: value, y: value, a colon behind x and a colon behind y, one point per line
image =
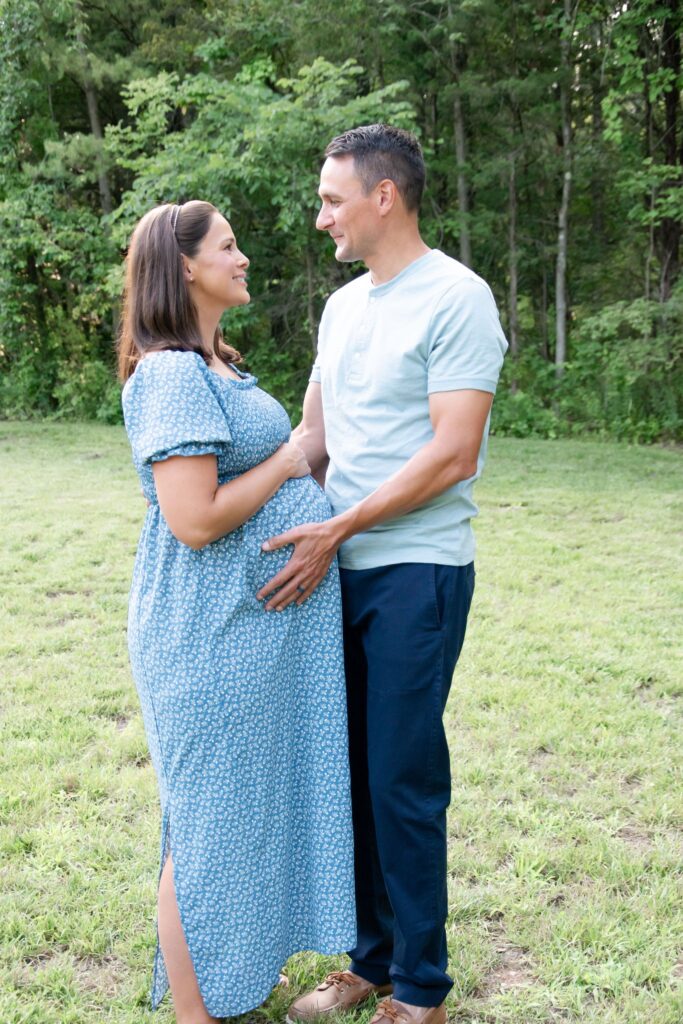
x: 344, y: 256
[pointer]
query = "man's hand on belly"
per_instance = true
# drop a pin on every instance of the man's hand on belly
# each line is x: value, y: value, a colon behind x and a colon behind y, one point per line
x: 315, y: 545
x: 458, y: 420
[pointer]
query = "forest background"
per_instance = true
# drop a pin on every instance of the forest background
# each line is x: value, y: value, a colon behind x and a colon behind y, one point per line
x: 553, y: 134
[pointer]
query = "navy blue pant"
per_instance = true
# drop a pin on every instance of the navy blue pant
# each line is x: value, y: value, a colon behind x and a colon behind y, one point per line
x: 404, y: 627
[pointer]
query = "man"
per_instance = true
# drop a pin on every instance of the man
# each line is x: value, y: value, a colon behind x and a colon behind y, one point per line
x: 399, y: 400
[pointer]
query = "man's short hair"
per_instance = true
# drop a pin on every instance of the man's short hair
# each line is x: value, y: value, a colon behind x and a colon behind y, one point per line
x: 381, y: 151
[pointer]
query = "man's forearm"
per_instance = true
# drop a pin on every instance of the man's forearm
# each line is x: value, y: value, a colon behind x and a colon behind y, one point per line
x: 313, y: 446
x: 430, y: 472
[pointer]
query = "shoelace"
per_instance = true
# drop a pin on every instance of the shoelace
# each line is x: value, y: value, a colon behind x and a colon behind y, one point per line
x: 339, y: 978
x: 387, y: 1010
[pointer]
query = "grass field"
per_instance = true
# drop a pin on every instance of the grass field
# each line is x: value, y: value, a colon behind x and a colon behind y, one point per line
x: 566, y: 825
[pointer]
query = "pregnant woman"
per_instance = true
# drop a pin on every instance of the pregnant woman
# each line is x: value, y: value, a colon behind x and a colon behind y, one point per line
x: 244, y: 709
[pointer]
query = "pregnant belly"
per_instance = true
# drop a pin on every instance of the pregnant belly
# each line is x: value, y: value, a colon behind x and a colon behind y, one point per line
x: 297, y: 502
x: 176, y: 588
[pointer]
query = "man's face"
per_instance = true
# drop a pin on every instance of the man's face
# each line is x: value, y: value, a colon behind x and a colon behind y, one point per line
x: 348, y: 215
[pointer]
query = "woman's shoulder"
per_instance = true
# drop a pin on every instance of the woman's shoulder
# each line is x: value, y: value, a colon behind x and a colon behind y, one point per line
x: 169, y: 360
x: 170, y: 376
x: 166, y: 365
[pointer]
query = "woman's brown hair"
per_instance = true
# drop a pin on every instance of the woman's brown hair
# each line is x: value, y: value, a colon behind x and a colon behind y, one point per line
x: 158, y: 311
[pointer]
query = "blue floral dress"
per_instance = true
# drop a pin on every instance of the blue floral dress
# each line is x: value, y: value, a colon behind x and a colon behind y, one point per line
x: 244, y: 710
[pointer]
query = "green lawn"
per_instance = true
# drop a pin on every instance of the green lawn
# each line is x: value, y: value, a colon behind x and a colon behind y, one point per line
x: 566, y: 824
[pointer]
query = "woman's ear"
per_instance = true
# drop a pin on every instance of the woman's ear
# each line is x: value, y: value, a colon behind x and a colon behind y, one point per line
x: 187, y: 269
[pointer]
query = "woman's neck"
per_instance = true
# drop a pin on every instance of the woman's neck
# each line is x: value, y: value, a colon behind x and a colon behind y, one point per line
x: 208, y: 325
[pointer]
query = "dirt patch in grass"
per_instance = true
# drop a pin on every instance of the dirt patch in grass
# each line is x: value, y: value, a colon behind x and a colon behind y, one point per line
x: 55, y: 594
x: 636, y: 839
x: 540, y: 757
x: 39, y: 961
x: 71, y: 783
x: 30, y: 969
x: 512, y: 968
x: 667, y: 705
x: 103, y: 975
x: 62, y: 621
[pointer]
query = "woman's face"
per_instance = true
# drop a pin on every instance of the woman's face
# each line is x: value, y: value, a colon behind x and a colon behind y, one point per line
x: 217, y: 273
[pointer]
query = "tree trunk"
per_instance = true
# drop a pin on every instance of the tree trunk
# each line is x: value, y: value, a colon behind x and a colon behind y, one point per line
x: 96, y: 129
x: 543, y: 316
x: 458, y: 58
x: 512, y: 258
x: 95, y: 124
x: 651, y: 197
x: 563, y: 214
x: 463, y: 194
x: 669, y: 231
x: 561, y: 276
x: 39, y: 293
x: 597, y: 172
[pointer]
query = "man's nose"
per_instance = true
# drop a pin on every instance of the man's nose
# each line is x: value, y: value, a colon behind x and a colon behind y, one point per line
x: 324, y: 219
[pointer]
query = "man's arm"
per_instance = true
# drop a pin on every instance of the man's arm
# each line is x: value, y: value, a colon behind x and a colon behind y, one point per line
x: 310, y: 434
x: 458, y: 420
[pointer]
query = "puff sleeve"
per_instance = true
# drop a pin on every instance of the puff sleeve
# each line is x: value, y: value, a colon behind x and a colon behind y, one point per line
x: 171, y: 408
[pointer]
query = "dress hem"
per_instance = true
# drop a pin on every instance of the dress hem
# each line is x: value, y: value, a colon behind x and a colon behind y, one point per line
x: 337, y: 949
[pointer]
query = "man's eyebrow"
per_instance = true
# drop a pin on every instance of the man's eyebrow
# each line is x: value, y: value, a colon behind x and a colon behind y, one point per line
x: 328, y: 195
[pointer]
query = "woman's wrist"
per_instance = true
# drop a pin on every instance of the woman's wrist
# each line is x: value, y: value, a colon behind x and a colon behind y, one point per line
x: 284, y: 462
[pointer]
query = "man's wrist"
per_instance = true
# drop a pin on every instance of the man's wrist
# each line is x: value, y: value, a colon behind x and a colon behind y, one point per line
x: 341, y: 527
x: 335, y: 530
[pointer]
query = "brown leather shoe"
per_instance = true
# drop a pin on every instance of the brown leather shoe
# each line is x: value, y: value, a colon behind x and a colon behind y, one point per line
x: 340, y: 990
x: 391, y: 1011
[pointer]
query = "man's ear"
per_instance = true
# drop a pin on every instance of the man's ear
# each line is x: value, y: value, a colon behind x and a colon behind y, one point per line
x: 387, y: 194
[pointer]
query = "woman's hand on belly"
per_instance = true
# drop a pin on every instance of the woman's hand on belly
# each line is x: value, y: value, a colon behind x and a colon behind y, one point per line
x: 198, y: 510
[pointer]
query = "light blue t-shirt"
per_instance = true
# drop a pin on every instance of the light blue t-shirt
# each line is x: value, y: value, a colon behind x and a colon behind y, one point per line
x: 382, y: 351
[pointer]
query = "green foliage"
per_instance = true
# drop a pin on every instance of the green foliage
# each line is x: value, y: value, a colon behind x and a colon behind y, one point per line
x: 88, y: 390
x: 520, y: 414
x: 626, y: 374
x: 63, y: 380
x: 107, y: 110
x: 625, y: 379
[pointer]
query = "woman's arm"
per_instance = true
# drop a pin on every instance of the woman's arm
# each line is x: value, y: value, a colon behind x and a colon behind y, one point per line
x: 198, y: 511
